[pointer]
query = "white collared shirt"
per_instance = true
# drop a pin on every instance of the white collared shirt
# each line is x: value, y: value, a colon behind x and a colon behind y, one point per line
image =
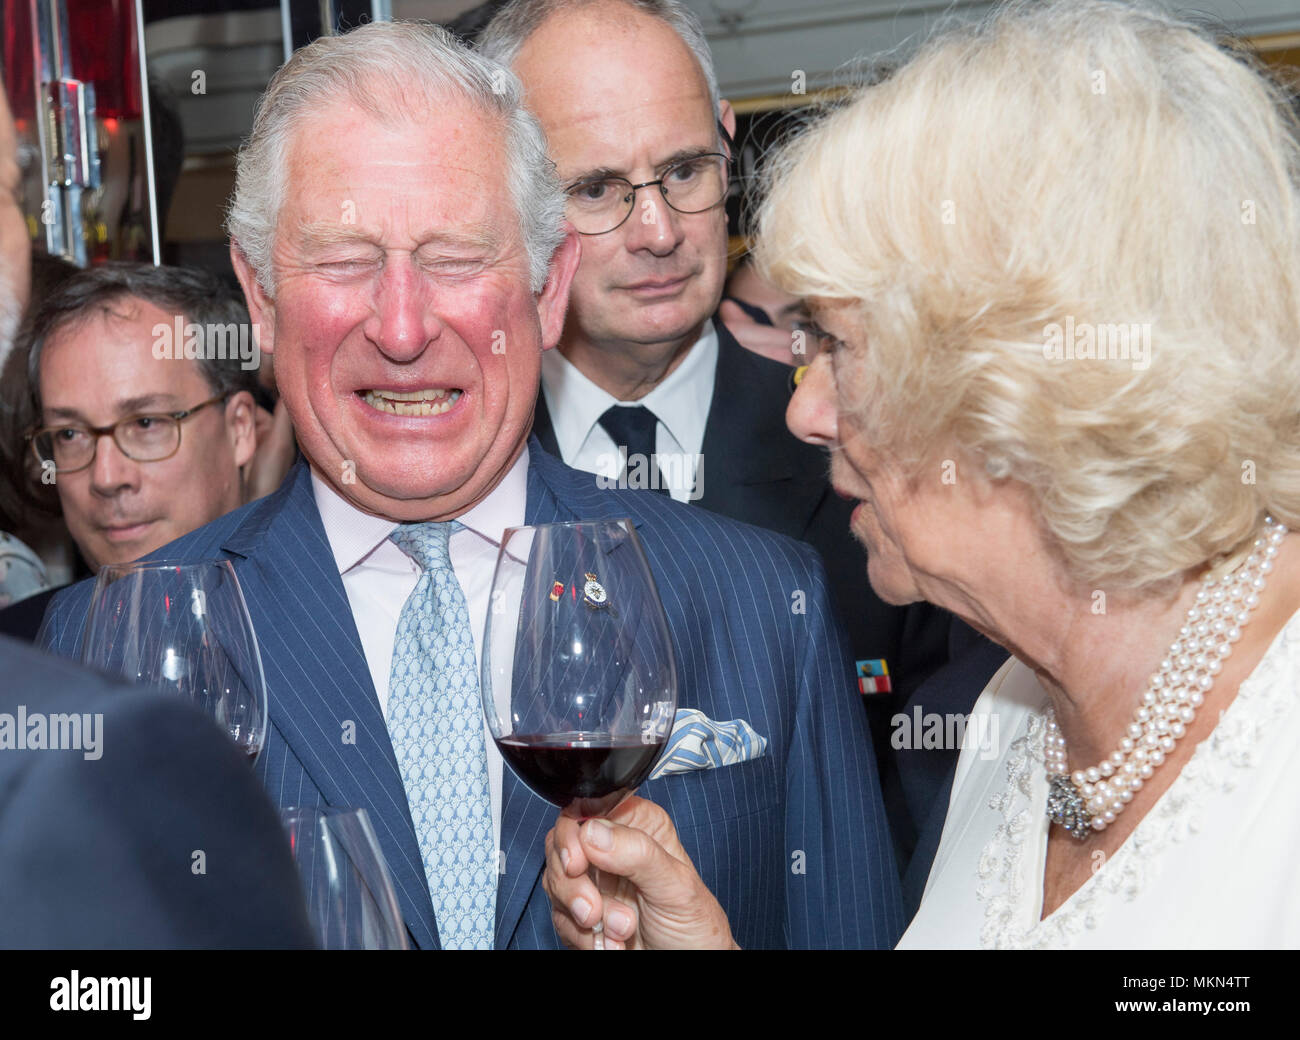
x: 379, y: 578
x: 681, y: 404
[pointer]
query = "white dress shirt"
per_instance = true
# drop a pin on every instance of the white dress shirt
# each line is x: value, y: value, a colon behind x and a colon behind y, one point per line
x: 379, y: 578
x: 681, y: 404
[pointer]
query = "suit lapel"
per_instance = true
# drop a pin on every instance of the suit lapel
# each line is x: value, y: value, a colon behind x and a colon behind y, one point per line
x: 323, y: 702
x: 755, y: 470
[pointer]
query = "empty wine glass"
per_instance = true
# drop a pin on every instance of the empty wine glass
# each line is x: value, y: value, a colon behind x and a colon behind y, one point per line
x: 351, y: 902
x: 183, y: 628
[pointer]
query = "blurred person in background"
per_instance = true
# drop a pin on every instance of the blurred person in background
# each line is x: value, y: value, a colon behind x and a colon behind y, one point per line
x: 21, y: 571
x: 762, y: 317
x: 33, y: 507
x: 100, y: 836
x: 142, y: 409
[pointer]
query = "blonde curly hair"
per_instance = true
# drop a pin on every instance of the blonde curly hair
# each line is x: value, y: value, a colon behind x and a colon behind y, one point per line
x: 1058, y: 168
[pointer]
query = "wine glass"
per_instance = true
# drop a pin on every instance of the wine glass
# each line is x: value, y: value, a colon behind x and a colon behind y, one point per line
x: 184, y: 628
x: 579, y: 684
x: 351, y: 902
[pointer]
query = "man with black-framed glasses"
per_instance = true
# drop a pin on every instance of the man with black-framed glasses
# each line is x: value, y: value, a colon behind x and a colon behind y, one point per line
x: 648, y: 387
x: 144, y: 417
x: 642, y: 145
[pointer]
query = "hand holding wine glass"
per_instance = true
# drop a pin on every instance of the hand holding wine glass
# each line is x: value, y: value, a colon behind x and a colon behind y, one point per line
x: 579, y: 683
x: 645, y: 893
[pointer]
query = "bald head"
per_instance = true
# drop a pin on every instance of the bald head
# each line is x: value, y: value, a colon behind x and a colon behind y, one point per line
x: 621, y: 93
x: 516, y: 21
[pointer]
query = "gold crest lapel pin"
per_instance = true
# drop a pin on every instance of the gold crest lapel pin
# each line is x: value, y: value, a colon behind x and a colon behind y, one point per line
x: 594, y: 594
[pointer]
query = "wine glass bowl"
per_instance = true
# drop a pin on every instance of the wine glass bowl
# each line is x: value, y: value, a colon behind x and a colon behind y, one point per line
x: 183, y: 628
x: 351, y: 902
x: 579, y: 683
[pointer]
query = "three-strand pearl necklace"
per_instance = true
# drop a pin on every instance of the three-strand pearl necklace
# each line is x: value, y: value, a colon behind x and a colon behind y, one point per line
x: 1090, y: 799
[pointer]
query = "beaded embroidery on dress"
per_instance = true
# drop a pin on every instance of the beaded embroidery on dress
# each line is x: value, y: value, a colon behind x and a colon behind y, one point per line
x: 1007, y: 884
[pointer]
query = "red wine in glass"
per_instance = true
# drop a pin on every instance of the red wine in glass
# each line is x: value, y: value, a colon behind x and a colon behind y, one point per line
x: 589, y: 773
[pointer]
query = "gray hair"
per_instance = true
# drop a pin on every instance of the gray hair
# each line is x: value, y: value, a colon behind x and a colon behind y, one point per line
x: 369, y: 65
x: 197, y: 296
x: 511, y: 27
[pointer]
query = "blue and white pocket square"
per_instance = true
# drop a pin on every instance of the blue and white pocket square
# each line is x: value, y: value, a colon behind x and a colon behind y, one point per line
x: 697, y: 742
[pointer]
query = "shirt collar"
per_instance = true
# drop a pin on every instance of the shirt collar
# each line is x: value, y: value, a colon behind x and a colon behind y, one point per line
x: 681, y: 401
x: 354, y: 534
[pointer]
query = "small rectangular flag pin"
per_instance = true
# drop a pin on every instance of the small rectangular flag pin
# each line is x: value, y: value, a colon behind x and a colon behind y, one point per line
x: 873, y: 676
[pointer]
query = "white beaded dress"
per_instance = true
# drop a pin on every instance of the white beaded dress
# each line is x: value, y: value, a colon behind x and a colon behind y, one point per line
x: 1214, y: 864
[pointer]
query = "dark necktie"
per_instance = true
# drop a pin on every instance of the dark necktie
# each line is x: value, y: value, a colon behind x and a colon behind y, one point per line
x: 633, y: 427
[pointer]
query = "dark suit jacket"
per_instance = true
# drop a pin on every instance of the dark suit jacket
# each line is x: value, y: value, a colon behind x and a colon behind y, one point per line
x: 99, y: 853
x: 757, y: 471
x: 22, y: 620
x: 793, y: 844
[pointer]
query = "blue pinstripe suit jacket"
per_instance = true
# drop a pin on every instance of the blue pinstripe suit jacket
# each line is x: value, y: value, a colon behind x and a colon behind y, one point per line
x: 794, y: 844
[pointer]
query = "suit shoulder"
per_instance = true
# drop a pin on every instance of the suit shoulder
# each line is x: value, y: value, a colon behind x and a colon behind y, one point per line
x: 102, y: 838
x: 761, y: 410
x: 36, y: 678
x: 205, y: 542
x: 737, y: 535
x: 697, y: 533
x: 659, y: 517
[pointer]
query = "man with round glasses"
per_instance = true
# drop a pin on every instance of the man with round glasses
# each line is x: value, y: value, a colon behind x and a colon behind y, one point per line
x: 599, y: 205
x: 143, y: 422
x: 641, y: 144
x: 66, y: 449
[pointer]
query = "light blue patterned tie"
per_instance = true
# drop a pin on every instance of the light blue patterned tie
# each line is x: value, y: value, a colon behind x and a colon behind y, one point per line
x: 436, y: 724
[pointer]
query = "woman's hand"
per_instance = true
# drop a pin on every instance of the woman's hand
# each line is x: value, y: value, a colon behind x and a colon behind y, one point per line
x: 650, y: 896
